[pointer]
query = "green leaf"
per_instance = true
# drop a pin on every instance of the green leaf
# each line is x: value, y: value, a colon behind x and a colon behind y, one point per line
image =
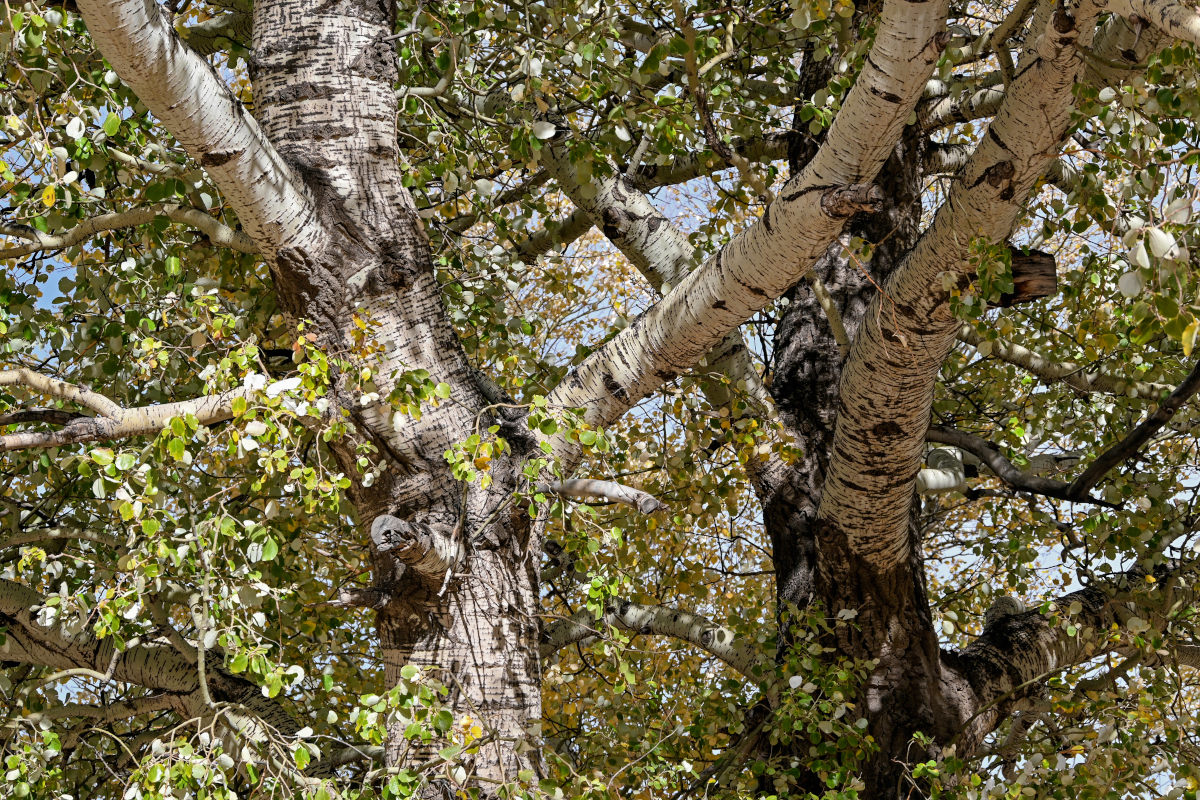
x: 112, y: 124
x: 177, y: 448
x: 270, y: 549
x: 442, y: 390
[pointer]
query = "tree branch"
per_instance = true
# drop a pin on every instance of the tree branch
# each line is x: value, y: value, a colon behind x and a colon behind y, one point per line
x: 1132, y: 443
x: 887, y: 384
x: 182, y: 90
x: 634, y: 618
x: 664, y: 256
x: 216, y: 34
x: 113, y: 421
x: 763, y: 261
x: 957, y: 109
x: 1004, y: 469
x: 219, y: 234
x: 1007, y: 664
x: 1173, y: 18
x: 154, y: 665
x: 583, y: 489
x: 1074, y: 375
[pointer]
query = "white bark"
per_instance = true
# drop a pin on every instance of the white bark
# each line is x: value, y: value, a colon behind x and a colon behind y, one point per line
x: 185, y: 93
x: 664, y: 256
x: 634, y: 618
x: 772, y: 254
x: 944, y: 472
x: 220, y: 235
x: 1077, y: 376
x: 112, y: 421
x: 887, y: 385
x: 1173, y: 18
x: 583, y: 489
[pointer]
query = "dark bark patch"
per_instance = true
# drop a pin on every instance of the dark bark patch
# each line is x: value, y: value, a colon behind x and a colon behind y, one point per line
x: 614, y: 222
x: 720, y: 305
x: 887, y: 97
x: 845, y: 201
x: 614, y: 388
x: 376, y: 61
x: 216, y: 158
x: 1062, y: 20
x: 887, y: 428
x: 294, y: 92
x: 998, y: 175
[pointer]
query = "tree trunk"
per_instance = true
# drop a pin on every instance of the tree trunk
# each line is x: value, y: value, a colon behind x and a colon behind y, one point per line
x: 323, y: 81
x: 814, y: 561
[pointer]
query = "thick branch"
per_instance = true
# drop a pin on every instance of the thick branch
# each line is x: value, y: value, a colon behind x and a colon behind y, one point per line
x: 1173, y: 18
x: 957, y: 109
x: 1017, y: 652
x: 887, y: 385
x: 154, y: 665
x: 657, y: 620
x: 780, y: 248
x: 182, y: 90
x: 113, y: 422
x: 664, y: 256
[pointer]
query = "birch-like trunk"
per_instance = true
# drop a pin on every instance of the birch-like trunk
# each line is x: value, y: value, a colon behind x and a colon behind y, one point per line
x: 324, y: 89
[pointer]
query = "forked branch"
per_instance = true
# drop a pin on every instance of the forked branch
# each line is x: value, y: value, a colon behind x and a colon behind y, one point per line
x: 112, y: 421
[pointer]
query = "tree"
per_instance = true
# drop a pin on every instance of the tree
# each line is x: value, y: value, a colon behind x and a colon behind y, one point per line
x: 599, y: 398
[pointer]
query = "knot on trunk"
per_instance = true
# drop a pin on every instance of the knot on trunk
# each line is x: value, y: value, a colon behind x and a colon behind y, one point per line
x: 428, y: 551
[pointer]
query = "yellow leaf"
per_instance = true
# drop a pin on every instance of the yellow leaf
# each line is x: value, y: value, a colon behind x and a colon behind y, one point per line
x: 1189, y: 337
x: 48, y: 196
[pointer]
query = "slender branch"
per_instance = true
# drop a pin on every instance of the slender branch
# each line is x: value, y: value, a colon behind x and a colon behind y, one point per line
x: 553, y: 236
x: 1004, y: 469
x: 1074, y: 375
x: 439, y: 88
x: 220, y: 234
x: 657, y: 620
x: 834, y: 317
x: 114, y: 422
x: 38, y: 535
x: 1132, y: 443
x: 583, y: 489
x: 138, y: 163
